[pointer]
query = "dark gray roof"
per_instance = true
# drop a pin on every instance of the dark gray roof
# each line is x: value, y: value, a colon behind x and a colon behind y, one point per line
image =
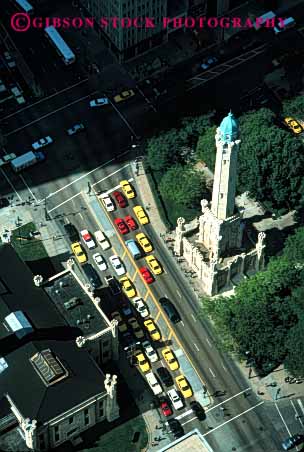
x: 20, y: 380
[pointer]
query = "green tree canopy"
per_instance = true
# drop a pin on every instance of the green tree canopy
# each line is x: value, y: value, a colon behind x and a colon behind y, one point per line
x: 183, y: 186
x: 205, y: 149
x: 294, y: 247
x: 294, y: 107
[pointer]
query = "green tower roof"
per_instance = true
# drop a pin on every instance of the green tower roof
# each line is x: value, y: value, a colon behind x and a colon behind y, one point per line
x: 229, y: 128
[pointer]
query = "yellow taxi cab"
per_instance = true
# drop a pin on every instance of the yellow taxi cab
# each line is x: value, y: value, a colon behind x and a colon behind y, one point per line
x: 144, y: 242
x: 79, y: 253
x: 127, y: 287
x: 124, y: 95
x: 152, y: 330
x: 170, y: 358
x: 127, y: 189
x: 293, y: 125
x: 183, y: 386
x: 142, y: 361
x: 141, y: 215
x: 154, y: 265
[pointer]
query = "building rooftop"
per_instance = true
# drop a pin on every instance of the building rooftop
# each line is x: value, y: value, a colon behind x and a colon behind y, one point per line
x: 191, y: 442
x: 229, y: 128
x: 56, y: 374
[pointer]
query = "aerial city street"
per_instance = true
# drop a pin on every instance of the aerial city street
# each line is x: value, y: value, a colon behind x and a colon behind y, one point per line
x: 151, y: 225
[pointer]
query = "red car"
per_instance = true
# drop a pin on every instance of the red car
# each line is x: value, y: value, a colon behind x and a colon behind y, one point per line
x: 165, y: 409
x: 131, y: 222
x: 146, y: 274
x: 120, y: 199
x: 121, y: 225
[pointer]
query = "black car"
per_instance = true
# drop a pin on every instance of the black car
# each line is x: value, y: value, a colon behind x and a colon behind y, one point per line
x: 113, y: 285
x: 198, y: 410
x: 164, y: 376
x: 170, y: 310
x: 92, y: 275
x: 292, y: 441
x: 71, y: 232
x: 176, y: 428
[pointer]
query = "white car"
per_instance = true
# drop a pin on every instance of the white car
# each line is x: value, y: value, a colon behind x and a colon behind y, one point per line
x: 175, y: 399
x: 150, y: 351
x: 100, y: 262
x: 41, y: 143
x: 102, y: 240
x: 141, y: 306
x: 107, y: 201
x: 153, y: 383
x: 117, y: 265
x: 99, y: 102
x: 87, y: 239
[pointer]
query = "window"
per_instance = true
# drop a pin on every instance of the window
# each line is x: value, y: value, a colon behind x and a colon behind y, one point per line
x: 86, y: 416
x: 222, y: 195
x: 41, y: 441
x: 100, y: 409
x: 105, y: 355
x: 57, y: 435
x: 106, y: 343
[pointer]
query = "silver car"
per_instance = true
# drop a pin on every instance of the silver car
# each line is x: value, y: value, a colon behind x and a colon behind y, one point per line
x: 42, y: 143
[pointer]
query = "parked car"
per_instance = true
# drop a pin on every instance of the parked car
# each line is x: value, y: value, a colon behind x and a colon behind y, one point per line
x: 87, y: 239
x: 127, y: 189
x: 122, y: 326
x: 293, y: 125
x: 126, y: 310
x: 152, y: 330
x: 100, y: 262
x: 107, y: 202
x: 170, y: 310
x: 100, y: 102
x: 121, y: 201
x: 121, y: 226
x: 150, y: 351
x: 137, y: 331
x: 42, y: 143
x: 144, y: 242
x: 183, y: 386
x: 118, y: 266
x: 146, y: 274
x: 209, y: 62
x: 113, y: 285
x: 75, y: 129
x: 102, y: 240
x: 141, y: 215
x: 141, y: 307
x: 176, y: 428
x: 170, y: 358
x: 91, y: 275
x: 124, y: 95
x: 142, y: 361
x: 79, y: 252
x: 292, y: 441
x: 71, y: 232
x: 175, y: 399
x: 131, y: 222
x: 127, y: 287
x: 165, y: 407
x: 153, y: 383
x: 165, y: 376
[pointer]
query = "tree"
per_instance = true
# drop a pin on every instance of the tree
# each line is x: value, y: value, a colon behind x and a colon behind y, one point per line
x: 294, y: 361
x: 206, y: 149
x: 294, y: 247
x: 294, y: 107
x: 163, y: 151
x: 183, y: 186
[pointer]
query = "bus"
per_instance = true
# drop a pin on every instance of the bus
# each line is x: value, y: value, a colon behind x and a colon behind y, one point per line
x: 60, y: 45
x: 24, y: 6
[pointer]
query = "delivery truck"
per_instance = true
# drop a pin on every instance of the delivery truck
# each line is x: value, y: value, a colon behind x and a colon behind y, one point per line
x: 27, y: 159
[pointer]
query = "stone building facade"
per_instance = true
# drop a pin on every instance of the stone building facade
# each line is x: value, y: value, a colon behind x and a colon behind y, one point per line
x: 212, y: 245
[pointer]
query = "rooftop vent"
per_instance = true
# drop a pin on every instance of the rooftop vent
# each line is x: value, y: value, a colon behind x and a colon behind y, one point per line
x: 48, y: 367
x: 3, y: 365
x: 18, y: 324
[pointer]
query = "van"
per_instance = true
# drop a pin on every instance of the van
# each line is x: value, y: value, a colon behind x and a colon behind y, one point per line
x: 102, y: 240
x: 91, y: 275
x: 170, y: 310
x: 133, y: 248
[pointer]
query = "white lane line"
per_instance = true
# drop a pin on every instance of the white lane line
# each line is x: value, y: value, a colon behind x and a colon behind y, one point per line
x: 44, y: 99
x: 227, y: 400
x: 10, y: 183
x: 224, y: 367
x: 117, y: 186
x: 212, y: 373
x: 193, y: 317
x: 85, y: 175
x: 209, y: 343
x: 298, y: 416
x: 232, y: 419
x: 112, y: 174
x: 49, y: 114
x: 184, y: 414
x: 283, y: 420
x: 182, y: 323
x: 64, y: 202
x: 179, y: 294
x: 146, y: 99
x: 196, y: 346
x: 300, y: 405
x: 190, y: 420
x: 23, y: 180
x: 124, y: 119
x: 80, y: 215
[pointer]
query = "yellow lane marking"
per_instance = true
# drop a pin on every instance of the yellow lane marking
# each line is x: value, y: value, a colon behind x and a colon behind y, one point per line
x: 170, y: 334
x: 146, y: 296
x: 157, y: 316
x: 154, y: 299
x: 134, y: 276
x: 123, y: 254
